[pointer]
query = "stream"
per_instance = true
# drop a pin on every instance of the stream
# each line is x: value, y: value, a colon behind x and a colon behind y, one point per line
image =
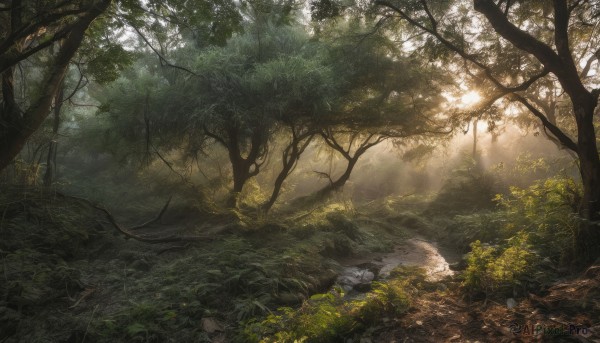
x: 358, y: 273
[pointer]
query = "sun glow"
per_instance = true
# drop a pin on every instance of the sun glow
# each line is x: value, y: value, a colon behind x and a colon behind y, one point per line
x: 470, y: 98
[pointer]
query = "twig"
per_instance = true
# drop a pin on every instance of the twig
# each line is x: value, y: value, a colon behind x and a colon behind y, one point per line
x: 85, y: 294
x: 88, y: 324
x: 324, y: 175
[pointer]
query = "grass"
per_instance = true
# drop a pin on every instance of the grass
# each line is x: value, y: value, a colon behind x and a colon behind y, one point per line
x: 68, y: 275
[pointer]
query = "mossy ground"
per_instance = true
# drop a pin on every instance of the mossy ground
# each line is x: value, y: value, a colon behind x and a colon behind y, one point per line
x: 69, y: 276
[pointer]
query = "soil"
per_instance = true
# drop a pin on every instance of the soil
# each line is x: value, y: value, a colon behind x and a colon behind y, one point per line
x: 570, y: 312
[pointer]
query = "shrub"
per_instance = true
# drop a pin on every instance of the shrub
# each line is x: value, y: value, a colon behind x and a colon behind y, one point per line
x: 494, y: 268
x: 331, y: 317
x: 547, y: 212
x: 468, y: 188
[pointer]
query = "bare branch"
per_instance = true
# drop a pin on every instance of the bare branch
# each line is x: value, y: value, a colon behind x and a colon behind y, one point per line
x: 161, y: 58
x: 145, y: 239
x: 155, y: 220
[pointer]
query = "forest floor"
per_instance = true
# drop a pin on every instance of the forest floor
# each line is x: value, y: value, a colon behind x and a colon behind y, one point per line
x: 570, y: 312
x: 70, y: 276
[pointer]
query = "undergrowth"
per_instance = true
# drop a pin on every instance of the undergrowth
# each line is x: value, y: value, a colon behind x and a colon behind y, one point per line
x: 68, y: 275
x: 332, y: 317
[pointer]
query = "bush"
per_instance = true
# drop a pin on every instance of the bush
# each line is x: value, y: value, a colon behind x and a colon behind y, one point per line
x: 485, y: 226
x: 493, y: 268
x: 547, y: 212
x: 331, y: 317
x: 468, y: 188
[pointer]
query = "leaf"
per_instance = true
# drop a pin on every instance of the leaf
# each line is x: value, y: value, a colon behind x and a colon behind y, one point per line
x: 135, y: 328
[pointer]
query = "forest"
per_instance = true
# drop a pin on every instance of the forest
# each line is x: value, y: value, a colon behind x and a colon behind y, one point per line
x: 354, y: 171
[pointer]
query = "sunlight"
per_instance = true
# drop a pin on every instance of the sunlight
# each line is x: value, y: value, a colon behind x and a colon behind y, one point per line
x: 470, y: 98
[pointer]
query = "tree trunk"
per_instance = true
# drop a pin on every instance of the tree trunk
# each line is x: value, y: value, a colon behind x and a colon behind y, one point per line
x: 475, y: 122
x: 53, y: 147
x: 285, y: 172
x: 241, y: 174
x: 588, y: 235
x: 15, y: 137
x: 340, y: 181
x: 290, y: 157
x: 242, y: 167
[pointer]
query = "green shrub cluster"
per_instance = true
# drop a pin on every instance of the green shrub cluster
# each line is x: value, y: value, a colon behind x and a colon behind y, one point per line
x: 493, y: 268
x: 534, y: 225
x: 547, y: 212
x: 332, y: 317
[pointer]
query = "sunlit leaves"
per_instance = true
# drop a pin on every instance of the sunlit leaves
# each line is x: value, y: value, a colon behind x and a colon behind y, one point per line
x: 490, y: 268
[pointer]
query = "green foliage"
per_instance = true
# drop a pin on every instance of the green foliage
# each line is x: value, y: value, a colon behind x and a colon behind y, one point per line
x: 387, y: 299
x: 342, y: 223
x: 41, y: 234
x: 485, y: 226
x: 492, y: 269
x: 547, y: 212
x: 108, y: 63
x: 331, y: 317
x: 468, y: 188
x: 526, y: 169
x: 274, y: 74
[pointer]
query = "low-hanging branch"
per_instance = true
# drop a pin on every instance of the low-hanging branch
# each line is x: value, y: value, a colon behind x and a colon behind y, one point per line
x: 155, y: 220
x: 146, y: 239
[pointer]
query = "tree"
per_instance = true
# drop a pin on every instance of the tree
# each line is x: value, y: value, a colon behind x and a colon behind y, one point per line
x: 265, y: 82
x: 268, y: 76
x: 383, y: 95
x: 511, y: 47
x: 28, y: 28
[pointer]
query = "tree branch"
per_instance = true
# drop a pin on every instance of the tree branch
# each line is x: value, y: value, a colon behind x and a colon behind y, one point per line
x: 562, y: 137
x: 155, y: 220
x: 161, y: 58
x: 145, y: 239
x: 562, y: 66
x: 215, y: 137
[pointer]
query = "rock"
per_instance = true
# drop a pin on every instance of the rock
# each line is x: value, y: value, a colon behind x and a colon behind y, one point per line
x: 347, y: 288
x: 511, y: 303
x: 288, y: 298
x: 458, y: 266
x: 357, y: 279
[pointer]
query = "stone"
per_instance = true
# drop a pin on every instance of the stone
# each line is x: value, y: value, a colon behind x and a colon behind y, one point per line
x: 511, y: 303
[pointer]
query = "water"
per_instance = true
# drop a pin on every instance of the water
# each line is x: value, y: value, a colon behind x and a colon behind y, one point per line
x: 358, y: 274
